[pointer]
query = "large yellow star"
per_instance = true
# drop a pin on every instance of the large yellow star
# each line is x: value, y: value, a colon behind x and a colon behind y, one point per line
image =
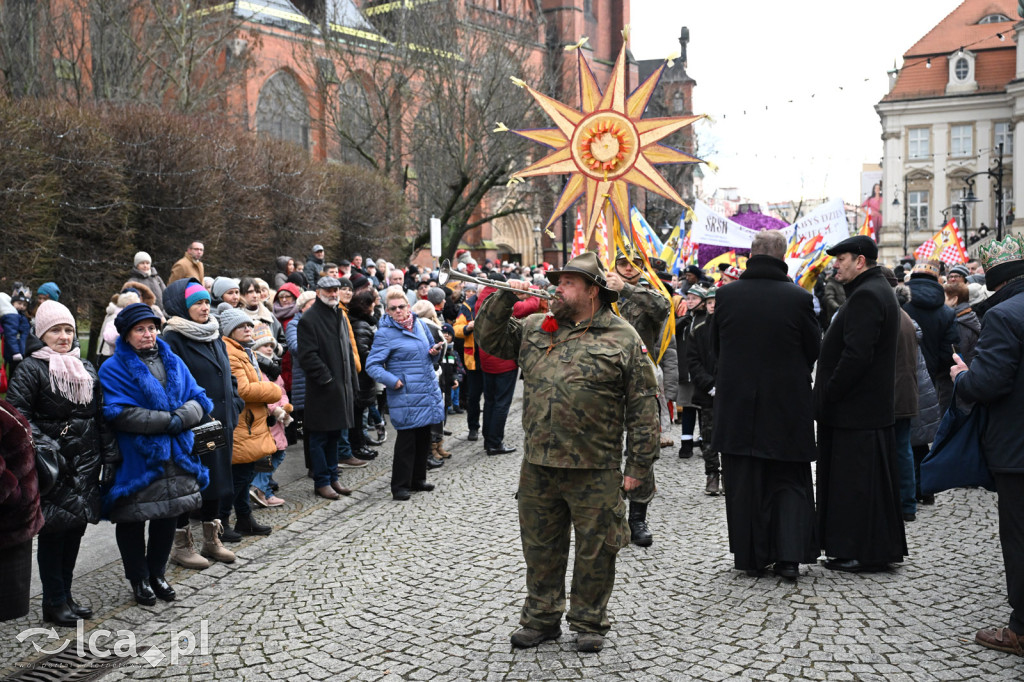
x: 605, y: 145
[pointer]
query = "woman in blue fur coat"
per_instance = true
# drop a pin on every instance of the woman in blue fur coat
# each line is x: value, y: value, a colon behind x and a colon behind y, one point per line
x: 152, y: 401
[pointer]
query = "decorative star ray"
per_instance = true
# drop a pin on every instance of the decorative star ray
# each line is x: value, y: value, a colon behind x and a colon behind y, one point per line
x: 605, y: 145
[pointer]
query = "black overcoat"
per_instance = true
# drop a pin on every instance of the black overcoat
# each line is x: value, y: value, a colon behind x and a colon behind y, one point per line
x: 85, y: 440
x: 996, y: 379
x: 209, y: 365
x: 767, y: 338
x: 856, y: 377
x: 325, y: 355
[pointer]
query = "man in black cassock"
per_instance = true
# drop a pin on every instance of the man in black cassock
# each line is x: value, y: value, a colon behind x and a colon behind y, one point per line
x: 767, y: 339
x: 859, y: 516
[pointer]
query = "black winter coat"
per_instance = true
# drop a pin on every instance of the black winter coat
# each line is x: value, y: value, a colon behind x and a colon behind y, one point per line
x: 969, y: 327
x: 209, y: 365
x: 996, y: 379
x: 905, y: 404
x: 702, y: 362
x: 85, y: 441
x: 928, y: 308
x: 926, y: 423
x: 325, y: 355
x: 364, y: 328
x: 766, y: 338
x: 856, y: 378
x: 684, y: 336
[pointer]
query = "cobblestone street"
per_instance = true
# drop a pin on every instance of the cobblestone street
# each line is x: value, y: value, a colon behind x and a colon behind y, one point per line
x: 366, y: 588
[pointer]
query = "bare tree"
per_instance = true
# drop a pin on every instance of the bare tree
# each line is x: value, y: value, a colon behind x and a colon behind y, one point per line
x: 417, y: 95
x: 175, y: 54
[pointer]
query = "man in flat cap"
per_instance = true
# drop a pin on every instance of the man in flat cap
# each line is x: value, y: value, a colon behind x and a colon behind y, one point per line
x: 860, y: 521
x: 325, y: 355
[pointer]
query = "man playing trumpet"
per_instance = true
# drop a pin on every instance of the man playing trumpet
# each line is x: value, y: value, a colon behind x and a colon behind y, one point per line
x: 587, y: 378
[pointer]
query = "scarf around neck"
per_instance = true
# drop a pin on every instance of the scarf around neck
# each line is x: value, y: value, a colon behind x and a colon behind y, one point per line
x: 283, y: 312
x: 195, y: 331
x: 407, y: 324
x: 68, y: 377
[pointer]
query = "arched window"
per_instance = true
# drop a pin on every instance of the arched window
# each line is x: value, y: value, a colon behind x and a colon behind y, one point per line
x: 994, y: 19
x: 355, y: 123
x: 282, y: 111
x: 678, y: 104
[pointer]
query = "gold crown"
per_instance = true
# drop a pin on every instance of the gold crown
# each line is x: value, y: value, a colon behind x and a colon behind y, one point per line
x: 997, y: 253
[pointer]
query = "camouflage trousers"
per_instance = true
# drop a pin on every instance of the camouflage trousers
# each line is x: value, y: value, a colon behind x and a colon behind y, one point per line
x: 644, y: 493
x: 712, y: 462
x: 552, y: 502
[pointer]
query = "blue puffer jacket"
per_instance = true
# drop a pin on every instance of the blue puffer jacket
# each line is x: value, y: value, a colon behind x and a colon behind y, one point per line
x: 16, y: 328
x: 298, y: 393
x: 400, y: 354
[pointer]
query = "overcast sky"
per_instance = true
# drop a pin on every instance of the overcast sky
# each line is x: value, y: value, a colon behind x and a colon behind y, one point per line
x: 791, y: 85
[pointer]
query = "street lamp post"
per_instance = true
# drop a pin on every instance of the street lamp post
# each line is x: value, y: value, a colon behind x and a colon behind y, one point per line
x: 956, y: 208
x: 906, y: 208
x: 995, y: 171
x: 537, y: 259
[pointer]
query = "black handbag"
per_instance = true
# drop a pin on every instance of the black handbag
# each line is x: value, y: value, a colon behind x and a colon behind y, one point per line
x: 48, y: 462
x: 209, y: 436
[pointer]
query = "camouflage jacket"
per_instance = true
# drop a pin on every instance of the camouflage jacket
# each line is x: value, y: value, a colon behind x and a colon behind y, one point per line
x: 579, y: 397
x: 647, y: 310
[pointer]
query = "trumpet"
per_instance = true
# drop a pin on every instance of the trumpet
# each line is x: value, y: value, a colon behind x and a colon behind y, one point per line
x: 446, y: 273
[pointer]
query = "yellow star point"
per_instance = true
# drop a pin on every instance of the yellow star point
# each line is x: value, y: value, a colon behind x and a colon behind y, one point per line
x: 605, y: 145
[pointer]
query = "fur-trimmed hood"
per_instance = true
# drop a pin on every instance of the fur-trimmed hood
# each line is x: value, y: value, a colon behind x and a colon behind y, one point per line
x: 145, y: 293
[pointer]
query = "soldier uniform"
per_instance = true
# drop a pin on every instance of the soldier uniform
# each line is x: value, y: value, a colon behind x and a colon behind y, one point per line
x: 647, y: 311
x: 584, y: 385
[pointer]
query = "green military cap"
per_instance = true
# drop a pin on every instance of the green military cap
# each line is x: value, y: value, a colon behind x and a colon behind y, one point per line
x: 697, y: 290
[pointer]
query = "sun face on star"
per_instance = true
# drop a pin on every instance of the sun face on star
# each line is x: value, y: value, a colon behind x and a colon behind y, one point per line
x: 606, y: 145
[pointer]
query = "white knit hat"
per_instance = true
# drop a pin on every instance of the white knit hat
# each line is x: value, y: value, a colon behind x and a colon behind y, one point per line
x: 142, y: 257
x: 50, y: 314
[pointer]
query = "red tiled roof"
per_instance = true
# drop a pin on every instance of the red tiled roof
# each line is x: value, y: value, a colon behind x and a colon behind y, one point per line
x: 960, y: 28
x: 995, y: 64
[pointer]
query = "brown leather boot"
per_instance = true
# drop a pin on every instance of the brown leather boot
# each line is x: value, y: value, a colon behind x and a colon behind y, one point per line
x: 183, y: 552
x: 212, y: 546
x: 441, y: 452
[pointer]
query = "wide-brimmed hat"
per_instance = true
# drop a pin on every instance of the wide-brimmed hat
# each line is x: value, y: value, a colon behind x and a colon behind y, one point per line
x: 589, y: 267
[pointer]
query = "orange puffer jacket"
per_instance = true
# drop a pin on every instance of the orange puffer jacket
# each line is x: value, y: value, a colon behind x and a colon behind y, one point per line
x: 253, y: 439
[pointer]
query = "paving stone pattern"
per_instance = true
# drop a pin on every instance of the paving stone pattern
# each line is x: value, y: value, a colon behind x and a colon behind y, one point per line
x: 366, y: 588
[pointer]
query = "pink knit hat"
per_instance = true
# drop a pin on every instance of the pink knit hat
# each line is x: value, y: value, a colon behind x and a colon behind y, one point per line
x: 51, y: 313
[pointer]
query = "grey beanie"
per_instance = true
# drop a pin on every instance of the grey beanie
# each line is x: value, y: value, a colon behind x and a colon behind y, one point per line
x: 142, y: 257
x: 960, y: 270
x: 222, y: 285
x: 435, y: 295
x: 232, y: 319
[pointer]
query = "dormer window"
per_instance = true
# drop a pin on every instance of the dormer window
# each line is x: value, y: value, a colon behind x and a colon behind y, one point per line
x: 994, y: 19
x: 961, y: 72
x: 961, y: 68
